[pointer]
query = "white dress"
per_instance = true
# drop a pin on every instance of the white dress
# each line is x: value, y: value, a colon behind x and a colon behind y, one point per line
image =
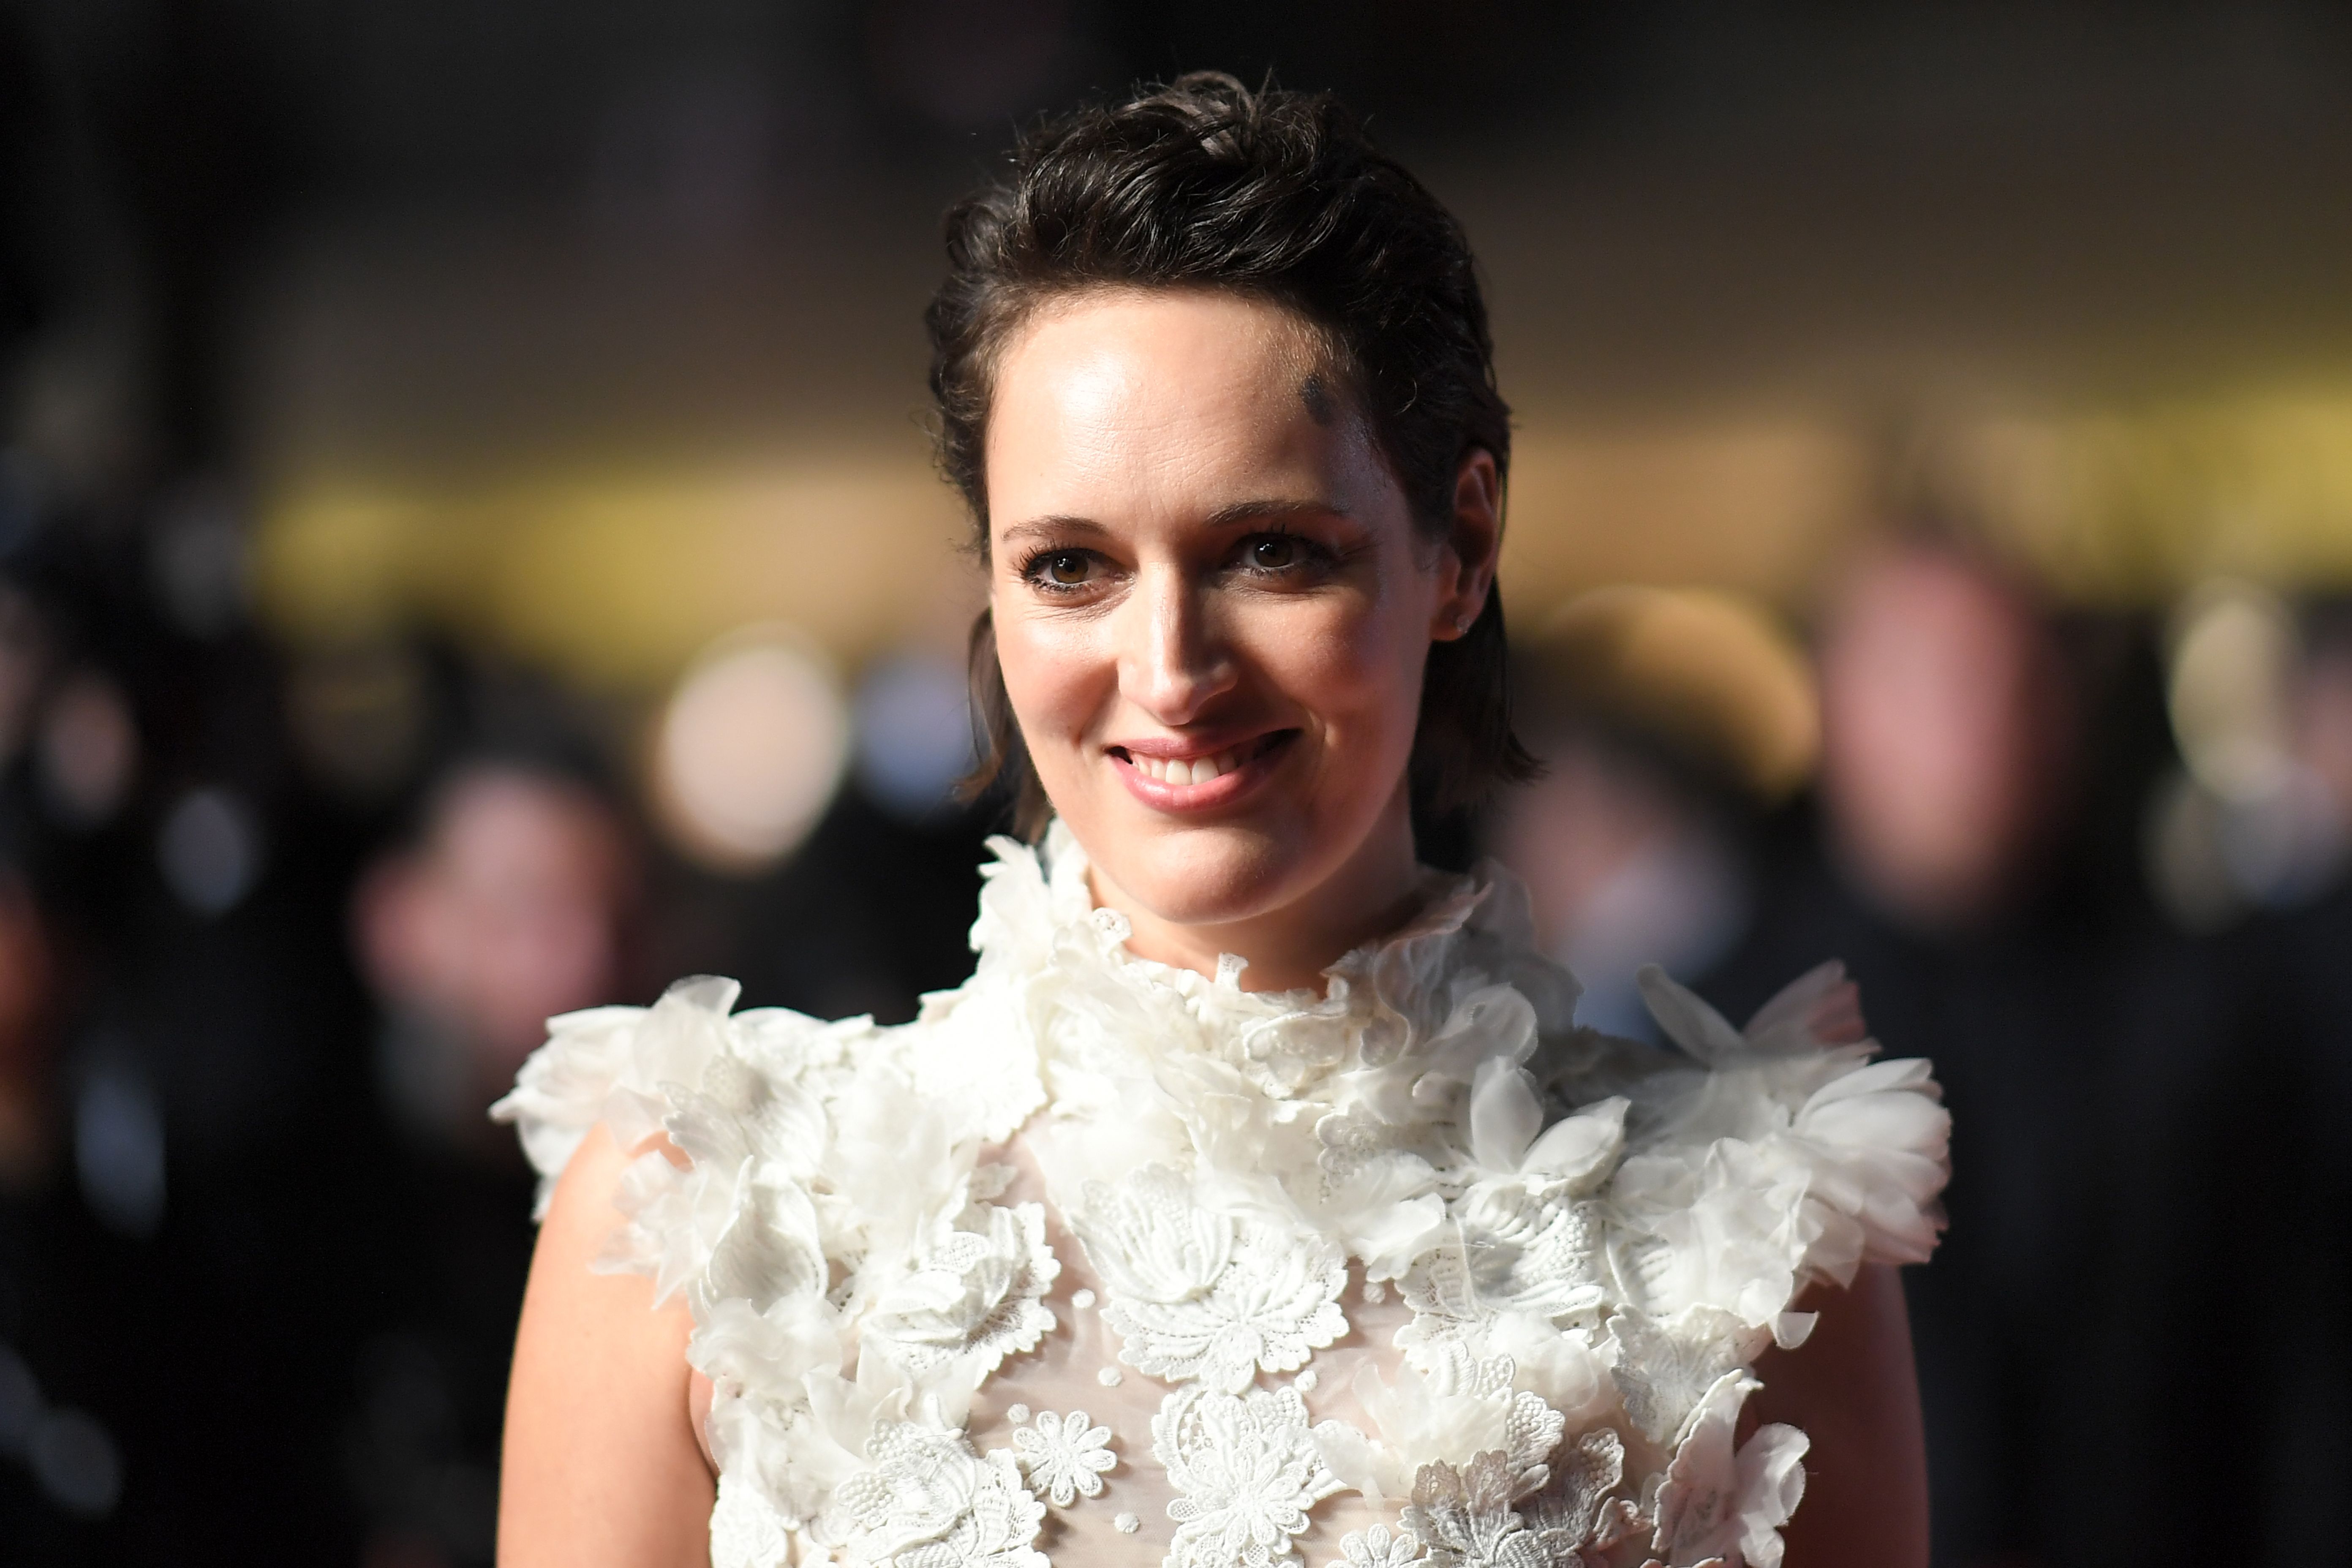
x: 1100, y: 1262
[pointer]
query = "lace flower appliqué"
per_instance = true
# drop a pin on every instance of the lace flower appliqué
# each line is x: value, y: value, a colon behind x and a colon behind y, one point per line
x: 1380, y: 1547
x: 1246, y: 1470
x: 1201, y: 1295
x: 928, y: 1500
x: 1458, y: 1406
x: 978, y: 1293
x: 1665, y: 1369
x: 1464, y: 1519
x: 1577, y: 1507
x: 1063, y: 1457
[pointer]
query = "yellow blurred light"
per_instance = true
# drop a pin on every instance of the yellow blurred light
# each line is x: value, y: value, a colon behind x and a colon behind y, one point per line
x: 617, y: 577
x: 2135, y: 505
x: 1754, y: 505
x: 614, y: 572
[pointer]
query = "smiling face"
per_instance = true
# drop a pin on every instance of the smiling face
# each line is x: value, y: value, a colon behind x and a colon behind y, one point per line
x: 1213, y: 609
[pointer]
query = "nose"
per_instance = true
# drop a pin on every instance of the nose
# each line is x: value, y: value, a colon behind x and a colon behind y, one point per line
x: 1173, y: 662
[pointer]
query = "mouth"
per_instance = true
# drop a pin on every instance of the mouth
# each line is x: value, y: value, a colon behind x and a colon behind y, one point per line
x: 1198, y: 781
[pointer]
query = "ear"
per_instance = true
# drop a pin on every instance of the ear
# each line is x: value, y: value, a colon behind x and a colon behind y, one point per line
x: 1467, y: 566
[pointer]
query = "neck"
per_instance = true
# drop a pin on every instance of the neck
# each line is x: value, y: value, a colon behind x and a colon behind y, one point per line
x: 1288, y: 947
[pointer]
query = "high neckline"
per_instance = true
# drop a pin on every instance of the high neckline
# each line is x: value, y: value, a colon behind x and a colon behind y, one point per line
x: 1459, y: 982
x: 1485, y: 909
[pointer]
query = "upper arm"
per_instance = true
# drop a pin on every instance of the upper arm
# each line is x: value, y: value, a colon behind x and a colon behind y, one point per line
x: 602, y: 1467
x: 1852, y: 1388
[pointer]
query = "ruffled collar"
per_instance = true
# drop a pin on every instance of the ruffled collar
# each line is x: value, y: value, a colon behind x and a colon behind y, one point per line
x: 1345, y: 1114
x: 1384, y: 1004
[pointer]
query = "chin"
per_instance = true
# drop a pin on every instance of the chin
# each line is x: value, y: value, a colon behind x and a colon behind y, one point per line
x: 1212, y: 874
x: 1217, y: 873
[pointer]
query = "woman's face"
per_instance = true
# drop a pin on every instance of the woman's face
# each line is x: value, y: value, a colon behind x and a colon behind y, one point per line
x: 1210, y: 603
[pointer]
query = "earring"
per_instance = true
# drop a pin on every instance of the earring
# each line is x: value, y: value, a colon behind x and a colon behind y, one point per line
x: 1461, y: 623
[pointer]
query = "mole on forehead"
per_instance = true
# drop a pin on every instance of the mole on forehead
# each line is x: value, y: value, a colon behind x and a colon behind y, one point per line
x: 1313, y: 393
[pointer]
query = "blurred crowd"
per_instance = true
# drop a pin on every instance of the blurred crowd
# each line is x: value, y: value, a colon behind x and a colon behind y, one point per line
x: 2095, y: 868
x: 279, y: 920
x: 263, y: 969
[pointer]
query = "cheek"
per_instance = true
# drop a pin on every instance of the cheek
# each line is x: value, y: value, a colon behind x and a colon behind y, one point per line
x: 1055, y: 672
x: 1357, y: 667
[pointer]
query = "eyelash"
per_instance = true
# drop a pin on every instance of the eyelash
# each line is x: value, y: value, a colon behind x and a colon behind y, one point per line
x: 1312, y: 552
x: 1032, y: 569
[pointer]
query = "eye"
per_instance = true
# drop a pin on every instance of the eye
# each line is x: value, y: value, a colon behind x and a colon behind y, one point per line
x: 1273, y: 553
x: 1062, y: 571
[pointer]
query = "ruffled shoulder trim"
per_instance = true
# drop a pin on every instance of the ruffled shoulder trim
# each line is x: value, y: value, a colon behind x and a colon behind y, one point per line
x: 633, y: 1068
x: 1794, y: 1104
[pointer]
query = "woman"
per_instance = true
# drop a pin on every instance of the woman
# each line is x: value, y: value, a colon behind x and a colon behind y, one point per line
x: 1256, y: 1202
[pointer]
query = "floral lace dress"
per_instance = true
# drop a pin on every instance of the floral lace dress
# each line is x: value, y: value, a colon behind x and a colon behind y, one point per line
x: 1102, y: 1262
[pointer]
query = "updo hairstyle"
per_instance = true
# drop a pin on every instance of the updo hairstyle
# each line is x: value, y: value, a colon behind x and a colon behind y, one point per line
x: 1274, y: 196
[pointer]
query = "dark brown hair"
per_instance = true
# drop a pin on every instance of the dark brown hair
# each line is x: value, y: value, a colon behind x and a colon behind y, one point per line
x: 1278, y: 195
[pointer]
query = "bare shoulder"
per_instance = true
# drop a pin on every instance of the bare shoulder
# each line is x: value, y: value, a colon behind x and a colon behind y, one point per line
x: 601, y: 1465
x: 1852, y: 1388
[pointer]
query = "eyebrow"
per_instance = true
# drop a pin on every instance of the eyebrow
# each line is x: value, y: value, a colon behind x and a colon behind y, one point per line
x: 1055, y: 525
x: 1261, y: 510
x: 1062, y: 525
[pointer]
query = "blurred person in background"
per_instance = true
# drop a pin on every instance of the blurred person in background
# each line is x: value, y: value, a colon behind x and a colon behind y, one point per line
x: 1664, y: 721
x: 2279, y: 1193
x: 1945, y: 751
x: 516, y: 898
x: 1628, y: 860
x: 2323, y: 702
x: 514, y: 904
x: 520, y: 884
x: 1950, y: 739
x: 1971, y: 850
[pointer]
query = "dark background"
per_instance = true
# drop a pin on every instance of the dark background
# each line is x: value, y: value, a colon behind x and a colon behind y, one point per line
x: 2049, y: 297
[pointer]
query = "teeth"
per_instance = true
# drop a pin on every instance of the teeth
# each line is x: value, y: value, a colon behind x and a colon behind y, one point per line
x: 1200, y: 771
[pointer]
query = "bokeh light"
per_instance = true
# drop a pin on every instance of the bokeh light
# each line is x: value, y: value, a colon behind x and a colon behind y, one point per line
x: 2232, y: 647
x: 914, y: 731
x: 210, y: 850
x: 87, y: 748
x: 747, y: 751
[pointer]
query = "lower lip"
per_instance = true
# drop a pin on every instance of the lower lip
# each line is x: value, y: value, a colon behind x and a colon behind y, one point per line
x: 1221, y: 791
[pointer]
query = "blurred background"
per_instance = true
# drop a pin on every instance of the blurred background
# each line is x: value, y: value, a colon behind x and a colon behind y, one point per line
x: 467, y: 551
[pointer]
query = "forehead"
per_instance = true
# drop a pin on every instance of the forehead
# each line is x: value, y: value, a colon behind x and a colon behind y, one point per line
x: 1919, y: 595
x: 501, y: 817
x: 1117, y: 400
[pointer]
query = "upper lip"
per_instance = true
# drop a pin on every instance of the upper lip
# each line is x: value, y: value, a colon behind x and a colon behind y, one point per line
x: 1172, y: 748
